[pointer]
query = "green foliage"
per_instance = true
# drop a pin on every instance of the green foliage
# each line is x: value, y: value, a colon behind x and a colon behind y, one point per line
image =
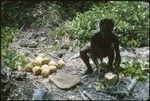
x: 12, y: 59
x: 47, y: 15
x: 7, y: 36
x: 16, y: 13
x: 135, y: 68
x: 132, y: 23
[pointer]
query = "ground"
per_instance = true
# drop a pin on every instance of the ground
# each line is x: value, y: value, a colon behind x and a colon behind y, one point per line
x: 34, y: 42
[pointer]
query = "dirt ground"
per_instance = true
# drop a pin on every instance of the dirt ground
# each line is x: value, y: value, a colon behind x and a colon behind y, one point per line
x: 74, y: 65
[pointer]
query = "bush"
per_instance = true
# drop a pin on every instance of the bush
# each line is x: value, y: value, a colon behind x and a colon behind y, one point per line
x: 7, y: 36
x: 131, y: 19
x: 11, y: 59
x: 16, y: 13
x: 135, y: 68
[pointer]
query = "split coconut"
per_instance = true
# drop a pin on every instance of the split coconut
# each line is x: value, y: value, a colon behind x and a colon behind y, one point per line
x: 110, y: 79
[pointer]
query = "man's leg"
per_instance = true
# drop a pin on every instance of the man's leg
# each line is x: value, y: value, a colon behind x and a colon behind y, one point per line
x: 94, y: 59
x: 84, y: 56
x: 110, y: 52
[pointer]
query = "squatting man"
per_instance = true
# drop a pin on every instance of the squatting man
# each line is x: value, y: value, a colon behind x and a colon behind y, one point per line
x: 103, y: 44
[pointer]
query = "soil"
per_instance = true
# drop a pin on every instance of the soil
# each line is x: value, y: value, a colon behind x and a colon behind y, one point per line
x: 74, y: 66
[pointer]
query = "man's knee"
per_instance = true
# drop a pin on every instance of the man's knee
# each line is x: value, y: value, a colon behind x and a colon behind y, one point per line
x: 83, y: 53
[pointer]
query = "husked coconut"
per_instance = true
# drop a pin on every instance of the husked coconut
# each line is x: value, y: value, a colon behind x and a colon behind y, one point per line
x: 52, y: 63
x: 52, y: 69
x: 39, y: 58
x: 28, y: 67
x: 60, y: 64
x: 36, y: 70
x: 45, y: 73
x: 43, y: 55
x: 44, y: 67
x: 19, y: 68
x: 37, y: 61
x: 45, y: 60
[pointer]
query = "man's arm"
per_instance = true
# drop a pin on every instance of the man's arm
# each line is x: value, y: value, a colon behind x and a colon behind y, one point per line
x: 93, y: 49
x: 117, y: 51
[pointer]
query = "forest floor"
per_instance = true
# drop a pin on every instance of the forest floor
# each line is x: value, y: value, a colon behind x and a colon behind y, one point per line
x: 38, y: 42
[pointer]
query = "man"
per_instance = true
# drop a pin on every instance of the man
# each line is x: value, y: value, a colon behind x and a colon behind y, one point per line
x: 103, y: 44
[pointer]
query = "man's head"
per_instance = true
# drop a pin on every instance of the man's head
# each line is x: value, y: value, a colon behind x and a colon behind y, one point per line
x: 106, y: 26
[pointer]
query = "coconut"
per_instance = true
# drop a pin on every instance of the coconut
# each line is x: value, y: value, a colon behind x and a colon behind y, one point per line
x: 52, y: 63
x: 19, y: 68
x: 37, y: 61
x: 44, y: 67
x: 42, y: 55
x: 45, y: 73
x: 39, y: 58
x: 110, y: 79
x: 60, y: 64
x: 28, y: 67
x: 36, y: 70
x: 53, y: 69
x: 45, y: 60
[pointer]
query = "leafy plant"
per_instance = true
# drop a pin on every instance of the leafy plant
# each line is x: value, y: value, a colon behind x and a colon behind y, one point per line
x: 135, y: 68
x: 7, y: 36
x: 12, y: 59
x: 131, y: 17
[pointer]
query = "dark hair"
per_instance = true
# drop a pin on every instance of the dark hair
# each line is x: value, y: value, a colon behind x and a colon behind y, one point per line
x: 107, y: 21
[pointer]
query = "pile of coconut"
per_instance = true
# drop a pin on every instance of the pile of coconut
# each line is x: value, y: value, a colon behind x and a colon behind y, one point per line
x: 42, y: 65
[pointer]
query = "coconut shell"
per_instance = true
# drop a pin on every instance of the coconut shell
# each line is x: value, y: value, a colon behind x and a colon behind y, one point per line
x: 60, y: 64
x: 45, y: 73
x: 53, y: 69
x: 36, y: 70
x: 110, y: 79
